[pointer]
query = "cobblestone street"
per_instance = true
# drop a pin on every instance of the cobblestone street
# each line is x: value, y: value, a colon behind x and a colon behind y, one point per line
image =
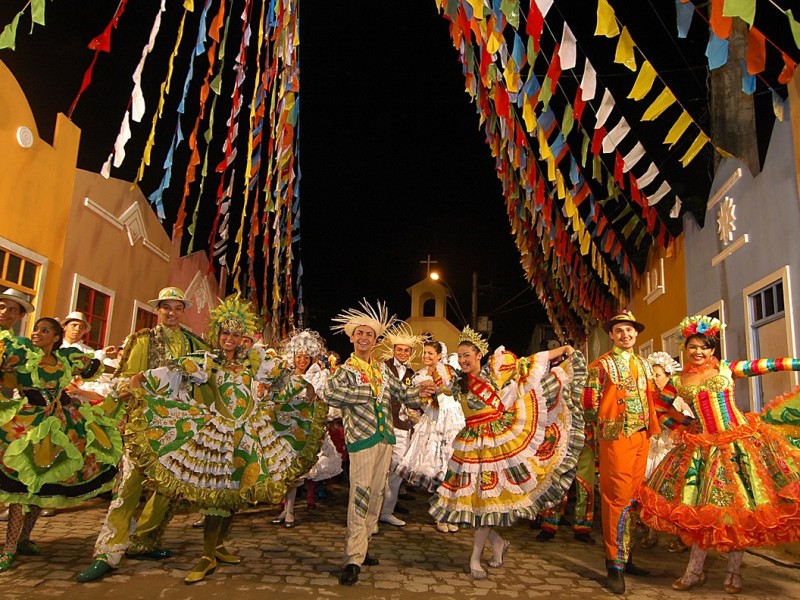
x: 303, y: 562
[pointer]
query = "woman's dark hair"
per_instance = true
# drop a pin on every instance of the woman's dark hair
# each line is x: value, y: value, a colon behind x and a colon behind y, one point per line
x: 471, y: 345
x: 435, y: 345
x: 57, y: 327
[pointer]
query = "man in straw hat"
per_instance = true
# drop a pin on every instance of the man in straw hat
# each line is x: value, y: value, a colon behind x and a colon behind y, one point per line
x: 619, y: 396
x: 363, y: 389
x: 13, y: 306
x: 403, y: 341
x: 145, y: 349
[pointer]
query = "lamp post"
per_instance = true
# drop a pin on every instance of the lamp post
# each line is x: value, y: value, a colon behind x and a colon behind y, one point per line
x: 474, y: 322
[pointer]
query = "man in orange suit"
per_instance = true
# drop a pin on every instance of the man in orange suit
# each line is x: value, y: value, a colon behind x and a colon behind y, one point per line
x: 619, y: 396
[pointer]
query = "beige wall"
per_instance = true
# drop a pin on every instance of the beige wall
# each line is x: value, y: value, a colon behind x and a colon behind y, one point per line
x: 35, y: 186
x: 666, y: 311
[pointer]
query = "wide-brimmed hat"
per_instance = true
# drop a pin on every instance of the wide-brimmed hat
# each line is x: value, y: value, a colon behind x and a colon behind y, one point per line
x: 21, y: 298
x: 623, y: 316
x: 170, y: 293
x: 75, y: 315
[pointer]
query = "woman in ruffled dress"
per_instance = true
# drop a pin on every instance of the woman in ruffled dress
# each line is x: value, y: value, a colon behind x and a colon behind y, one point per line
x: 55, y: 451
x: 303, y: 350
x: 425, y: 462
x: 733, y: 481
x: 495, y: 475
x: 229, y: 454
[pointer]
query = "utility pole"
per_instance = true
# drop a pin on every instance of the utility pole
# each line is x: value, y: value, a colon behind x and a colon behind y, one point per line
x: 474, y: 316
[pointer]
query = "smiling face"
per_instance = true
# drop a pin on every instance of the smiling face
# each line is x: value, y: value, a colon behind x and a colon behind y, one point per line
x: 402, y: 352
x: 623, y: 335
x: 10, y: 313
x: 302, y: 362
x: 46, y: 335
x: 363, y: 340
x: 170, y: 313
x: 74, y: 330
x: 229, y: 341
x: 430, y: 356
x: 698, y: 351
x: 469, y: 359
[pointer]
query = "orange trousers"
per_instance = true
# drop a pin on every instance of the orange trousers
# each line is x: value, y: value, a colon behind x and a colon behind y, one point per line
x: 622, y: 466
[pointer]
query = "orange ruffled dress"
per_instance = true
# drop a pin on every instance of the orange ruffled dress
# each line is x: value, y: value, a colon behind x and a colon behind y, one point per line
x: 733, y: 480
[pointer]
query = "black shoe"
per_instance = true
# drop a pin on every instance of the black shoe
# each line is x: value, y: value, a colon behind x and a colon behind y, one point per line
x: 370, y: 561
x: 585, y: 538
x: 545, y: 536
x: 156, y: 554
x: 615, y: 581
x: 349, y: 574
x: 400, y: 509
x: 632, y: 569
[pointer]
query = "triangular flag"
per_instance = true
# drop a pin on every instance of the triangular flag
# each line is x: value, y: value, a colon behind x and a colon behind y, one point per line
x: 777, y: 105
x: 756, y: 57
x: 701, y: 140
x: 685, y: 12
x: 788, y: 69
x: 716, y: 51
x: 624, y: 54
x: 744, y: 9
x: 720, y: 24
x: 588, y: 82
x: 644, y: 81
x: 633, y: 157
x: 605, y: 109
x: 8, y: 39
x: 660, y: 193
x: 659, y: 105
x: 606, y: 20
x: 678, y: 129
x: 37, y: 11
x: 567, y: 51
x: 748, y: 81
x: 794, y: 26
x: 676, y: 208
x: 616, y: 135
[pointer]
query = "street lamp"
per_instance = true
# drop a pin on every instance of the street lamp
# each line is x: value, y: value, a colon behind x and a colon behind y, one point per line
x: 433, y: 275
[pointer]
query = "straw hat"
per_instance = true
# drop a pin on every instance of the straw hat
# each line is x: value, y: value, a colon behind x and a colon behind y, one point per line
x: 170, y: 293
x: 21, y: 298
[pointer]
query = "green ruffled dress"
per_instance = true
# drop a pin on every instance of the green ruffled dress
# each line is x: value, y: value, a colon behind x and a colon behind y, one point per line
x: 239, y: 450
x: 54, y: 450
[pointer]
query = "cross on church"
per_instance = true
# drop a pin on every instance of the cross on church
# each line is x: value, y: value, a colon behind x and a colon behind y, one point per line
x: 428, y: 264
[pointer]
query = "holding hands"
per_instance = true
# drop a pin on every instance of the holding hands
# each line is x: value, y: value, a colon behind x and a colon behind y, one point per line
x: 428, y: 389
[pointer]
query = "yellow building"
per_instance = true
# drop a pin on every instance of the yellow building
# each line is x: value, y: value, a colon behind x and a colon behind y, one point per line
x: 76, y: 241
x: 429, y: 313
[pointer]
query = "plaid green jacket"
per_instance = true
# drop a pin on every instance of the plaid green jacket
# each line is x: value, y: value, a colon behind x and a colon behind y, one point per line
x: 367, y: 417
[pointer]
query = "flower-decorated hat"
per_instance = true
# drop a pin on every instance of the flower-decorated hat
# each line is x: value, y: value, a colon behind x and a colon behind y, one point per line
x: 665, y: 361
x: 622, y: 316
x: 170, y: 293
x: 701, y: 324
x: 303, y: 341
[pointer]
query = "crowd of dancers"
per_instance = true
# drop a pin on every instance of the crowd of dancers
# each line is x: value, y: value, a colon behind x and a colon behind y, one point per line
x: 223, y: 422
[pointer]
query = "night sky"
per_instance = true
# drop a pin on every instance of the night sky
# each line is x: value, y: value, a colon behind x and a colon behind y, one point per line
x: 394, y: 165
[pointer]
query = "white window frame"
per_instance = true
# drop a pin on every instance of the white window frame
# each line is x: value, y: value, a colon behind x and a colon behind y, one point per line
x: 26, y: 322
x: 782, y: 274
x: 664, y: 343
x: 145, y: 307
x: 79, y: 280
x: 646, y: 349
x: 655, y: 282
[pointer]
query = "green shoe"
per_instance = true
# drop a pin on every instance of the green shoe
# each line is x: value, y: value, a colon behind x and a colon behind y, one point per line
x: 6, y: 560
x: 94, y: 571
x: 28, y: 548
